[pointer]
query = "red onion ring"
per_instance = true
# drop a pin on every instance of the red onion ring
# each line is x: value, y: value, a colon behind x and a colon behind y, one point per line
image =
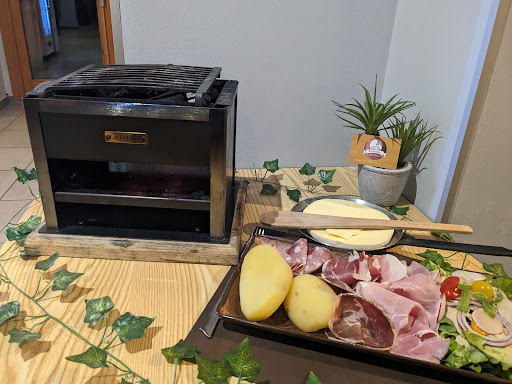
x: 500, y: 343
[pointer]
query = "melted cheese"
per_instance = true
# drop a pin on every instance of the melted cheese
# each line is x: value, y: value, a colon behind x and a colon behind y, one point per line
x: 359, y: 239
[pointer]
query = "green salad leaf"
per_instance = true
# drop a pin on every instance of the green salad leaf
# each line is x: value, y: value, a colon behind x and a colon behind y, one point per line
x: 271, y: 166
x: 465, y: 296
x: 326, y: 176
x: 268, y: 189
x: 501, y: 355
x: 504, y: 284
x: 496, y: 269
x: 437, y: 259
x: 447, y: 328
x: 460, y: 356
x: 94, y: 357
x: 21, y: 336
x: 242, y: 364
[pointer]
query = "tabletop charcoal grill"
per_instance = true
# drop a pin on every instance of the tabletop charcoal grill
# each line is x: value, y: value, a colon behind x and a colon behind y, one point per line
x: 136, y: 150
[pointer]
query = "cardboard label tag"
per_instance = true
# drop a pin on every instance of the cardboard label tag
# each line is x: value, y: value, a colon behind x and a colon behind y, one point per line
x: 377, y: 151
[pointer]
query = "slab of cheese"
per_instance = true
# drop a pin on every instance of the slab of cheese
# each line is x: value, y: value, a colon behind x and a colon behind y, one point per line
x: 358, y: 239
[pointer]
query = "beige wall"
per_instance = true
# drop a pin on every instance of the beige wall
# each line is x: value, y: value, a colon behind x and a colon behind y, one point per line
x: 481, y: 193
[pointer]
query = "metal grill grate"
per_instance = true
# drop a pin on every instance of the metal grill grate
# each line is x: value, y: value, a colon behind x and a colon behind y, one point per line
x: 154, y: 78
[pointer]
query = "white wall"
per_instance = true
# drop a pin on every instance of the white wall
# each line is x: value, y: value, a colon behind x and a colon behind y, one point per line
x: 435, y: 58
x: 290, y: 57
x: 5, y: 82
x: 117, y: 36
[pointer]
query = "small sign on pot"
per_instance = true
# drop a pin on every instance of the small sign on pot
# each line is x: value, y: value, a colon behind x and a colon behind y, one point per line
x: 372, y: 150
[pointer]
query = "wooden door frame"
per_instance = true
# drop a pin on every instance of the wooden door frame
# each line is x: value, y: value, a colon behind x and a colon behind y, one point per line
x: 15, y: 45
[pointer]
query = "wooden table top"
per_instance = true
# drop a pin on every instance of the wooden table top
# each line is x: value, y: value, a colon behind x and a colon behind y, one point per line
x: 175, y: 293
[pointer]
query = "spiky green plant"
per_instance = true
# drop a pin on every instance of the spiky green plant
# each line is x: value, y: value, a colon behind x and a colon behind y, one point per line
x: 412, y: 133
x: 371, y: 116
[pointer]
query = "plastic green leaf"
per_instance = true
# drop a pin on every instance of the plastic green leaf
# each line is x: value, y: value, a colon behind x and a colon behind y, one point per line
x: 9, y: 311
x: 312, y: 379
x: 307, y: 170
x: 95, y: 309
x: 293, y: 194
x: 94, y: 357
x: 326, y: 176
x: 401, y: 211
x: 124, y: 381
x: 268, y: 189
x: 44, y: 265
x: 496, y: 269
x: 20, y: 232
x: 62, y: 279
x: 24, y: 176
x: 130, y: 327
x: 242, y: 363
x: 271, y: 166
x: 213, y: 371
x: 21, y: 336
x: 180, y: 350
x: 444, y: 236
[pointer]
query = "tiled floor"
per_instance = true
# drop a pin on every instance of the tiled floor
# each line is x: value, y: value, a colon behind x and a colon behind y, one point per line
x: 14, y: 152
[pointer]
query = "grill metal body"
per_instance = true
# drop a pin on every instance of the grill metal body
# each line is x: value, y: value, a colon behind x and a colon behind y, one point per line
x: 136, y: 150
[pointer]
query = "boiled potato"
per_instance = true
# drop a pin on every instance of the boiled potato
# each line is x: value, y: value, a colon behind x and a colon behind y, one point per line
x: 264, y: 282
x: 310, y: 303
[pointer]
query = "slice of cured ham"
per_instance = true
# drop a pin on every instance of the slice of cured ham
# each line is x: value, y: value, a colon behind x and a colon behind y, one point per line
x: 415, y: 338
x: 423, y: 290
x: 316, y: 258
x: 391, y: 268
x: 298, y: 253
x: 339, y: 271
x: 358, y: 321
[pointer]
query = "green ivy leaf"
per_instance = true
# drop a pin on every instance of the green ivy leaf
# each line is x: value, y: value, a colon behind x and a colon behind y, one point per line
x: 44, y: 265
x: 401, y: 211
x: 180, y: 350
x: 95, y: 309
x: 242, y: 363
x: 496, y: 269
x: 130, y: 327
x: 444, y: 236
x: 213, y: 371
x: 24, y: 176
x: 94, y: 357
x: 62, y: 279
x: 21, y: 336
x: 268, y: 189
x: 20, y: 232
x: 326, y: 176
x: 293, y: 194
x: 271, y: 166
x: 307, y: 170
x: 9, y: 311
x: 312, y: 379
x: 247, y: 181
x: 124, y: 381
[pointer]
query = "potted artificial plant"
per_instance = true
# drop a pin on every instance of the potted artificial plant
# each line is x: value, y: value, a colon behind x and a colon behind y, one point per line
x: 378, y: 185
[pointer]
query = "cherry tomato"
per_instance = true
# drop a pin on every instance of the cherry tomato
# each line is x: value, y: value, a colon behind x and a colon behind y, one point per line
x: 483, y: 287
x: 449, y: 287
x: 477, y: 329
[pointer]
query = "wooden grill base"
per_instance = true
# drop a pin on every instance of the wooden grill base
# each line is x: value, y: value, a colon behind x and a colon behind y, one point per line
x: 123, y: 248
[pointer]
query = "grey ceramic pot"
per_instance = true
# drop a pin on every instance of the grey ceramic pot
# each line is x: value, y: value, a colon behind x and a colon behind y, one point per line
x: 382, y: 186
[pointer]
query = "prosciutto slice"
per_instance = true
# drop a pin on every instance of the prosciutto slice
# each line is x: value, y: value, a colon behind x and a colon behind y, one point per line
x: 415, y: 338
x: 316, y: 259
x: 391, y: 269
x: 339, y: 271
x: 423, y: 290
x: 358, y: 321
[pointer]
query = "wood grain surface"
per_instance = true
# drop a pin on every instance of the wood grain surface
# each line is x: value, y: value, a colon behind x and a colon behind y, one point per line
x: 175, y: 293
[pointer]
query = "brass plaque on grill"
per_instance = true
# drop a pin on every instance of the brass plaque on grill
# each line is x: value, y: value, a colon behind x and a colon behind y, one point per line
x: 126, y: 137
